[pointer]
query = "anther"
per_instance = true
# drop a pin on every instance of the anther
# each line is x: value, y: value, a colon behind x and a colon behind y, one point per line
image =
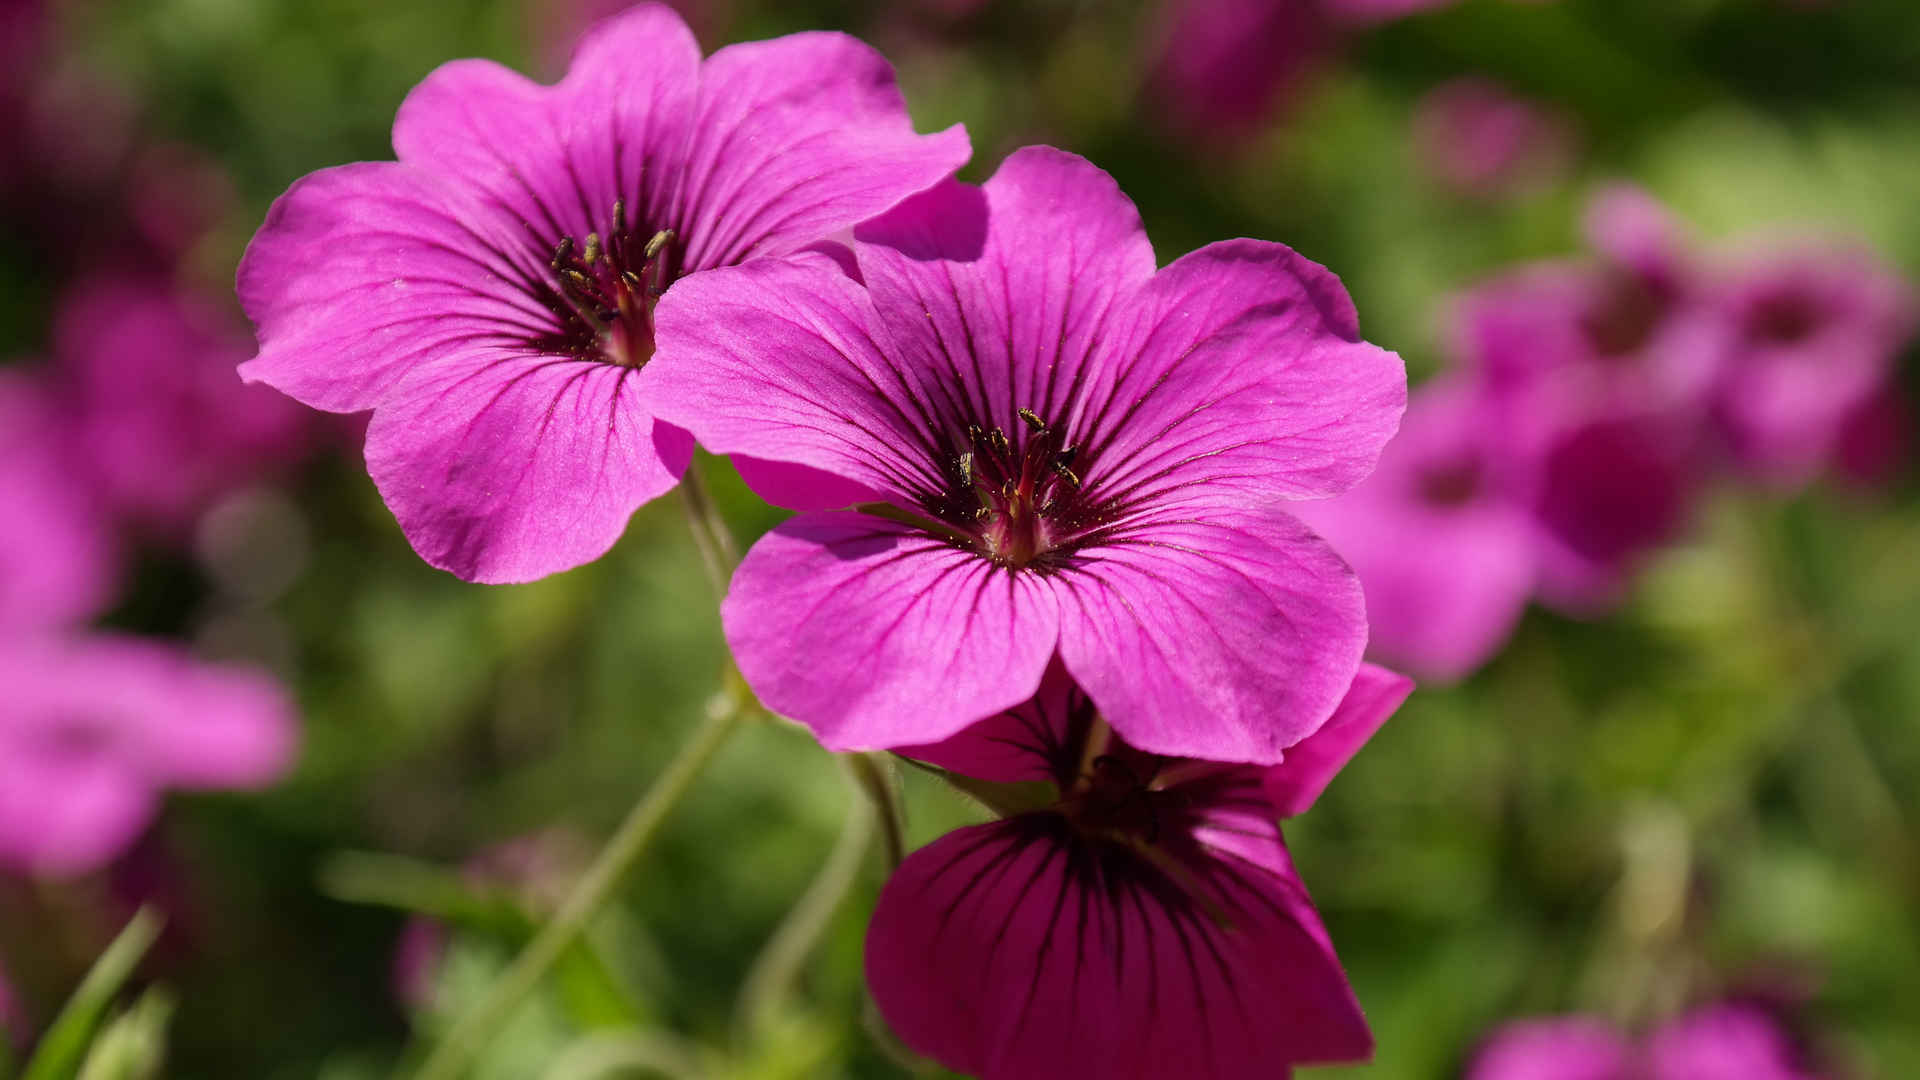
x: 660, y: 240
x: 560, y: 252
x: 577, y: 279
x: 631, y: 280
x: 999, y: 440
x: 592, y: 254
x: 619, y: 216
x: 1060, y: 468
x: 965, y: 461
x: 1033, y: 421
x: 974, y: 434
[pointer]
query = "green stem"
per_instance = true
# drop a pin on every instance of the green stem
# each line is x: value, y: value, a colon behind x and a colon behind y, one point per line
x: 778, y: 967
x: 875, y: 776
x: 471, y: 1032
x: 718, y: 552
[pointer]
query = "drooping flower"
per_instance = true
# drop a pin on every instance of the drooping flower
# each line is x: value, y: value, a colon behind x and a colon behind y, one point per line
x: 1049, y: 448
x: 56, y: 552
x: 1439, y: 535
x: 490, y: 295
x: 1817, y: 334
x: 1145, y: 921
x: 163, y: 427
x: 1725, y: 1041
x: 94, y: 727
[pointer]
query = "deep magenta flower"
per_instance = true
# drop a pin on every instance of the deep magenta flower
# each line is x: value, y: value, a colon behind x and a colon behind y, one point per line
x: 1440, y: 535
x: 162, y: 425
x: 57, y: 561
x: 490, y: 295
x: 1727, y: 1041
x: 1818, y: 331
x: 1050, y: 448
x: 1146, y: 922
x: 93, y: 728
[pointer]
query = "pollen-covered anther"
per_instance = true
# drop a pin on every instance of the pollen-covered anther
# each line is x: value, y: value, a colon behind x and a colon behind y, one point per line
x: 610, y: 292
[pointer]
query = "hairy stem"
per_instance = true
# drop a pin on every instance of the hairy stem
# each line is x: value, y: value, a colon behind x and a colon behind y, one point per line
x: 471, y: 1032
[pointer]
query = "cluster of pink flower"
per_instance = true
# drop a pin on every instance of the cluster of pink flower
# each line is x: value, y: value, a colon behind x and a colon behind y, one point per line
x: 127, y: 432
x: 1728, y: 1041
x: 1589, y: 404
x: 1042, y: 488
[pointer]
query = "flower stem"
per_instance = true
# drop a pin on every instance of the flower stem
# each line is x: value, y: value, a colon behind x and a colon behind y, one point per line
x: 778, y: 967
x: 470, y: 1033
x: 718, y: 552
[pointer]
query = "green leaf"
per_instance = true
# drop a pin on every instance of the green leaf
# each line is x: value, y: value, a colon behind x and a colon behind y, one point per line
x: 64, y: 1048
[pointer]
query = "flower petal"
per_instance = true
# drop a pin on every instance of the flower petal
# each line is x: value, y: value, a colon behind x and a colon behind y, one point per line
x: 502, y: 468
x: 923, y: 638
x: 780, y: 360
x: 1031, y: 742
x: 798, y: 138
x: 1560, y: 1048
x: 1217, y: 633
x: 1020, y: 951
x: 1294, y: 784
x: 1007, y: 312
x: 1247, y: 371
x: 365, y: 271
x: 556, y: 158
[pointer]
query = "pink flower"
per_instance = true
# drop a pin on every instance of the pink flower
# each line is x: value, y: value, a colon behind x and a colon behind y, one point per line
x: 56, y: 552
x: 490, y: 295
x: 1480, y: 139
x: 1728, y: 1041
x: 1600, y: 374
x: 93, y: 728
x: 162, y: 424
x: 1440, y: 536
x: 1049, y: 448
x: 1145, y: 922
x: 1219, y: 66
x: 1818, y: 332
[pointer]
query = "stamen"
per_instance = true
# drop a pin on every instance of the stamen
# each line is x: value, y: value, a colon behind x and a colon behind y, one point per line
x: 1033, y: 421
x: 660, y: 240
x: 1060, y: 469
x: 592, y: 254
x: 619, y: 217
x: 561, y: 251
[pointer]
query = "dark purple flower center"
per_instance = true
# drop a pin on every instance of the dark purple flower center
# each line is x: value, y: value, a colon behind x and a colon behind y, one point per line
x: 1786, y: 318
x: 1015, y: 500
x: 604, y: 291
x: 1625, y: 316
x: 1451, y: 482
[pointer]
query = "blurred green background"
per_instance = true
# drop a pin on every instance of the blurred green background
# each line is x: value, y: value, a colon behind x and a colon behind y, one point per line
x: 1717, y: 787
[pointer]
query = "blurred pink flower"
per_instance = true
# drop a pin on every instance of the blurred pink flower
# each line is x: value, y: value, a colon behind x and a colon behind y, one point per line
x: 1148, y: 922
x: 490, y: 295
x: 1219, y: 67
x: 1439, y: 535
x: 1599, y: 374
x: 1480, y: 139
x: 1817, y: 333
x: 94, y: 727
x: 1018, y: 439
x: 1728, y: 1041
x: 57, y: 559
x: 163, y: 426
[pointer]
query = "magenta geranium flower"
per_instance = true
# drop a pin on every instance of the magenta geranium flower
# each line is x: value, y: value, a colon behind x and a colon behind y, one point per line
x: 94, y: 728
x: 490, y: 295
x: 162, y: 426
x: 1440, y: 535
x: 1050, y: 448
x: 1727, y: 1041
x: 1147, y: 921
x: 1818, y: 334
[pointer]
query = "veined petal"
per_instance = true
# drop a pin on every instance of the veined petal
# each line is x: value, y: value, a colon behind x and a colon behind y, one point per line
x: 1246, y: 369
x: 797, y: 138
x: 1294, y: 784
x: 875, y: 635
x: 1003, y: 293
x: 781, y: 360
x: 1213, y: 632
x: 364, y: 272
x: 1021, y: 950
x: 555, y: 158
x: 1035, y: 740
x: 505, y: 468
